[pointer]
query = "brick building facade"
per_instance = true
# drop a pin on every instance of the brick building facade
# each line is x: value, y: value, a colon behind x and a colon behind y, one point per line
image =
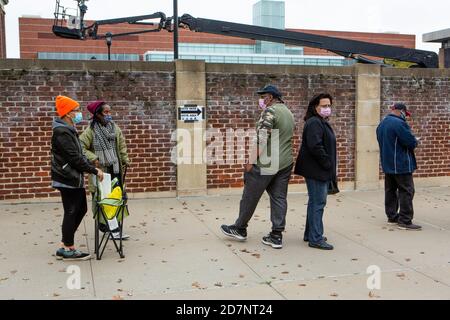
x: 36, y: 36
x: 143, y: 99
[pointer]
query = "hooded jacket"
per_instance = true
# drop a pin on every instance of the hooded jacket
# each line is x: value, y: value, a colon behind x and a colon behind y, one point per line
x: 68, y: 161
x: 397, y: 144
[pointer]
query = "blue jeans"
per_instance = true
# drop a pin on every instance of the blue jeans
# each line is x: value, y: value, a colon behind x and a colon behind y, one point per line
x: 317, y: 194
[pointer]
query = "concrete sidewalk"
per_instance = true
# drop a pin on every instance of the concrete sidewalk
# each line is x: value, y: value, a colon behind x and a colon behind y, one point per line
x: 178, y: 252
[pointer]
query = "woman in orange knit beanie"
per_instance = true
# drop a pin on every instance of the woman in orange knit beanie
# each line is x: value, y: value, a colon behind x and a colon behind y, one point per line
x: 68, y: 166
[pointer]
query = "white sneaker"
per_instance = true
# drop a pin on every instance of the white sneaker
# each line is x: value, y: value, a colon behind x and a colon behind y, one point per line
x: 116, y: 236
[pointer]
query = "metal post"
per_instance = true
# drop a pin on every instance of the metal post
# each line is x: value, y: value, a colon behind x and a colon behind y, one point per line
x: 108, y: 43
x: 175, y: 29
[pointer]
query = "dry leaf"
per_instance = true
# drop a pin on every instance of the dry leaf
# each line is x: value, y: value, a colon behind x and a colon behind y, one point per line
x: 218, y: 284
x: 285, y: 272
x: 373, y: 295
x: 117, y: 297
x: 196, y: 285
x: 334, y: 295
x: 256, y: 255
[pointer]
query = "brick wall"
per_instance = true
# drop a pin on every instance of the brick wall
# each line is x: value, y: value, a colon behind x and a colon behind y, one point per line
x: 143, y: 99
x: 428, y: 97
x: 143, y: 106
x: 232, y: 104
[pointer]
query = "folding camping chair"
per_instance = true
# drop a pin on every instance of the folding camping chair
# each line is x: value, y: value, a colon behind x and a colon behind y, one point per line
x: 110, y: 210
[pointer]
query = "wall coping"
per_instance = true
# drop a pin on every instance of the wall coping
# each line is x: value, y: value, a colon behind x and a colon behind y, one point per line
x: 85, y: 65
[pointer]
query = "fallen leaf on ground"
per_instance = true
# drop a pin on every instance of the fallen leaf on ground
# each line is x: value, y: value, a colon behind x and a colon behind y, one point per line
x: 256, y: 255
x: 117, y: 297
x: 245, y: 251
x: 373, y: 295
x: 218, y: 284
x: 285, y: 272
x: 334, y: 295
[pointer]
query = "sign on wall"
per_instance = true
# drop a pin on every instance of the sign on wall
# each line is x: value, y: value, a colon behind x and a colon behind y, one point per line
x: 191, y: 113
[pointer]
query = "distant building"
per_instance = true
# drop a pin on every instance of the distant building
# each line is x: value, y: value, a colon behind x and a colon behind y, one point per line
x: 3, y: 3
x: 38, y: 41
x: 443, y: 37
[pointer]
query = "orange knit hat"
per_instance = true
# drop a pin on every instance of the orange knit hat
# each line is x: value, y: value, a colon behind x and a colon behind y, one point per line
x: 64, y: 105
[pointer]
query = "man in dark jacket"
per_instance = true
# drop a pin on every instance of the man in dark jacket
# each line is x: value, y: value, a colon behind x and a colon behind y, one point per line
x: 68, y: 165
x: 397, y: 144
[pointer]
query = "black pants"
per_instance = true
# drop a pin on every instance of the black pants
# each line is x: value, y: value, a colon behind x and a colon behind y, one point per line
x: 399, y: 193
x: 75, y: 208
x: 254, y: 186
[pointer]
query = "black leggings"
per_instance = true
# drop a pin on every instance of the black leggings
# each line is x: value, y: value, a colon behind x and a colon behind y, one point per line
x: 75, y: 208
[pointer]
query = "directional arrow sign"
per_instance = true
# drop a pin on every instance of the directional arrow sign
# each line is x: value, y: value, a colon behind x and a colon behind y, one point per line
x: 191, y: 113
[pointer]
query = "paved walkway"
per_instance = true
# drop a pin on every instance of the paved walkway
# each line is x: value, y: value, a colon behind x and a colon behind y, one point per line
x: 178, y: 252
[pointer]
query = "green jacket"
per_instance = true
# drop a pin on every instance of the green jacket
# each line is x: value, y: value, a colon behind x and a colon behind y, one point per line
x: 87, y: 138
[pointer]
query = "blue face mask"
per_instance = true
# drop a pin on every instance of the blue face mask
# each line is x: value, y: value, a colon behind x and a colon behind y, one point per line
x: 107, y: 118
x: 78, y: 118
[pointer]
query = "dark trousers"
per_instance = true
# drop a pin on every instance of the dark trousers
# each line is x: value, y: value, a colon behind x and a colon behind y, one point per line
x: 254, y: 186
x: 399, y: 194
x: 317, y: 200
x: 75, y: 208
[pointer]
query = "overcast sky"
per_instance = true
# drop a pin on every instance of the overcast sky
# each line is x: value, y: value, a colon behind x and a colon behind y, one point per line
x: 404, y: 16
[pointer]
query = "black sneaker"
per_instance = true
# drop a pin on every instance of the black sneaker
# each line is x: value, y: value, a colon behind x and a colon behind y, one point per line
x: 393, y: 220
x: 234, y: 232
x: 321, y: 245
x: 75, y: 255
x: 411, y: 227
x: 273, y: 240
x: 307, y: 240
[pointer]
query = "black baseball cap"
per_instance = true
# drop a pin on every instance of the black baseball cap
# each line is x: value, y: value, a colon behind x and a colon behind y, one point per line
x: 401, y: 106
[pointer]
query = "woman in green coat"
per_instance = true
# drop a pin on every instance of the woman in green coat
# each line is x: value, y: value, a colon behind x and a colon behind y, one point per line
x: 104, y: 145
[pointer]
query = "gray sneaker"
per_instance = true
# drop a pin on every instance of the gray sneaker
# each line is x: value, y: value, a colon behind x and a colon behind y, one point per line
x: 60, y: 254
x: 410, y: 227
x: 75, y: 255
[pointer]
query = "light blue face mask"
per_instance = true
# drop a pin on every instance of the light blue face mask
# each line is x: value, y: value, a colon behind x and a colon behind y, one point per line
x: 107, y: 118
x: 78, y: 118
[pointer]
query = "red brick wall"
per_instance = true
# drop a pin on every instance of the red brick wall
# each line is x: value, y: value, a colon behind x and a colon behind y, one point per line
x: 232, y: 103
x: 143, y: 106
x: 36, y: 36
x: 428, y: 98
